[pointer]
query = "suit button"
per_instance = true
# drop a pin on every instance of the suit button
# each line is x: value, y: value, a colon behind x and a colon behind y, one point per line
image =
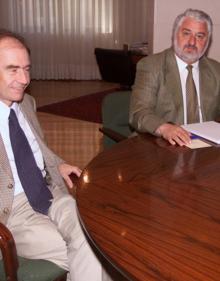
x: 10, y: 186
x: 5, y: 211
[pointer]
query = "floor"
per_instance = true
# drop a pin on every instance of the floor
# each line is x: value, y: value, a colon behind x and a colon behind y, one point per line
x: 51, y: 91
x: 76, y: 141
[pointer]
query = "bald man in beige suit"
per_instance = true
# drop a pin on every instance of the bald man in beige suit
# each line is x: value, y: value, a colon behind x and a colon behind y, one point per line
x: 158, y: 102
x: 55, y: 234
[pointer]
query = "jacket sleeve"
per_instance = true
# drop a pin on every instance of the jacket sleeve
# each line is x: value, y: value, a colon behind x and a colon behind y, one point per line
x: 143, y: 106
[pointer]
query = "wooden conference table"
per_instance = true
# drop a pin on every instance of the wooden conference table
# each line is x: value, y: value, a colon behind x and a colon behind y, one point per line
x: 153, y: 210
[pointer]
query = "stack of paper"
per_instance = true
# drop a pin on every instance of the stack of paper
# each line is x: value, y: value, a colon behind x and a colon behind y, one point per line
x: 209, y: 130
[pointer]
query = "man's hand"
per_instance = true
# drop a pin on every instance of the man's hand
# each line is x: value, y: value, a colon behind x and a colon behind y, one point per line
x: 66, y: 170
x: 174, y: 134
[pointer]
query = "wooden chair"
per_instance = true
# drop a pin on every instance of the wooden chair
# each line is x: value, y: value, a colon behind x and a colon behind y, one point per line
x: 115, y: 117
x: 14, y: 268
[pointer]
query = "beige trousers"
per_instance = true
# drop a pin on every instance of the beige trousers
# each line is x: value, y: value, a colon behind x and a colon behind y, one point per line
x: 57, y: 237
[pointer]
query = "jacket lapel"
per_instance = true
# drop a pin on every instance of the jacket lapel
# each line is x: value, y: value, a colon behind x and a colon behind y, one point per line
x: 31, y: 119
x: 173, y: 82
x: 5, y: 165
x: 35, y: 128
x: 206, y: 87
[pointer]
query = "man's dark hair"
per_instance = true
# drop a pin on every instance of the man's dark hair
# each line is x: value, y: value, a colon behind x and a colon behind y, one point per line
x: 4, y: 33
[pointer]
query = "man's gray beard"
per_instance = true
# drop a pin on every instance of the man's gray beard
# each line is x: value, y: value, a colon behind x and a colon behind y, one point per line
x: 188, y: 58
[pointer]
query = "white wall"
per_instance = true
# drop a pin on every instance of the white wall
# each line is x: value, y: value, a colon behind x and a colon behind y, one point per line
x: 149, y: 13
x: 165, y: 12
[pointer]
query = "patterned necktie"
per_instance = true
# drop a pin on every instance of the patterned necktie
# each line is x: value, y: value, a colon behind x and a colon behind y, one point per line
x: 191, y: 98
x: 33, y: 183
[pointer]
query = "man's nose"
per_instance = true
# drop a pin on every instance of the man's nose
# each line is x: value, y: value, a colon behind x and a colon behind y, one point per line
x: 192, y: 40
x: 23, y: 76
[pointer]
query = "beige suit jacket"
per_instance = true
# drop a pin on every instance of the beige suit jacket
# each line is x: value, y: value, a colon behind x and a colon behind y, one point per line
x: 157, y: 95
x: 51, y: 162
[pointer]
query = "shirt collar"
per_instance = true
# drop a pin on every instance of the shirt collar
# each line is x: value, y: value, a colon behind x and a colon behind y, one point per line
x: 16, y: 107
x: 5, y: 110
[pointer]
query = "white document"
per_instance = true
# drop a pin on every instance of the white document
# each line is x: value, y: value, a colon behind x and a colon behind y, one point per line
x: 209, y: 130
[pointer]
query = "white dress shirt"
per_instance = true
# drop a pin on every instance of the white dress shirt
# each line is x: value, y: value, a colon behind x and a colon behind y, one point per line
x: 183, y: 75
x: 4, y: 131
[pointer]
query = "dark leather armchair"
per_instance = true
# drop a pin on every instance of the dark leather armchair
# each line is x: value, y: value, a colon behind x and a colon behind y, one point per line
x: 115, y: 117
x: 14, y: 268
x: 116, y: 66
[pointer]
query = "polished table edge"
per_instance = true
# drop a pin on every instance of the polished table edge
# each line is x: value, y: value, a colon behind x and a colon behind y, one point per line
x: 155, y: 141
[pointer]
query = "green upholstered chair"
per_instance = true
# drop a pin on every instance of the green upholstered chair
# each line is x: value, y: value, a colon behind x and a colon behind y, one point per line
x: 14, y: 268
x: 115, y: 117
